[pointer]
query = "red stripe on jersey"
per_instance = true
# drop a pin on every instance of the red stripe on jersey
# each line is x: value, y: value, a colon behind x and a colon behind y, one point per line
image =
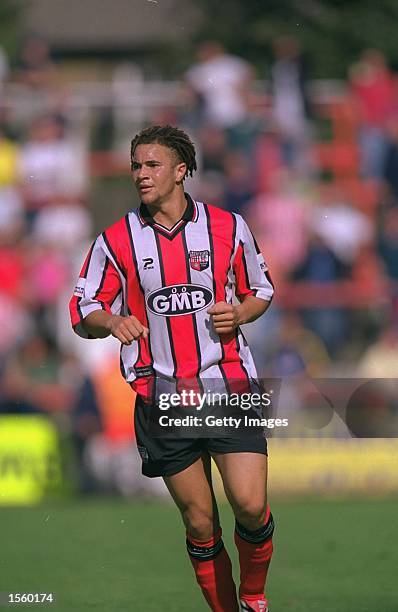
x: 223, y: 231
x: 74, y: 310
x: 109, y: 287
x: 241, y: 275
x: 172, y: 257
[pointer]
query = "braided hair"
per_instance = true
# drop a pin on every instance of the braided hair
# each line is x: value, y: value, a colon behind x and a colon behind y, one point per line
x: 170, y: 137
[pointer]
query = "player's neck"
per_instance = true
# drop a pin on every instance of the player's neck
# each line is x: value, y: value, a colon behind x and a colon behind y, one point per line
x: 169, y: 212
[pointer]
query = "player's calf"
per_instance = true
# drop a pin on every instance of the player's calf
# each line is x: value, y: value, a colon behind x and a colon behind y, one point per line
x: 255, y: 551
x: 213, y: 570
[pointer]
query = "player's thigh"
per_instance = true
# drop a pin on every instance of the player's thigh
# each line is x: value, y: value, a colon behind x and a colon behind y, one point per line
x: 244, y: 477
x: 192, y: 491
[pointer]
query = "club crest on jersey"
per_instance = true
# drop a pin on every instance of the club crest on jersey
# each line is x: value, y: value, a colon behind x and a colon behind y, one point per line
x: 176, y: 300
x: 199, y: 260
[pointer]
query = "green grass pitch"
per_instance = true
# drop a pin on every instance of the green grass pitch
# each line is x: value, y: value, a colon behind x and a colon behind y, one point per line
x: 117, y: 556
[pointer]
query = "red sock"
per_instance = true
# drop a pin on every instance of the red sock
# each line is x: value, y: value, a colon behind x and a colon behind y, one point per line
x: 213, y: 571
x: 255, y: 552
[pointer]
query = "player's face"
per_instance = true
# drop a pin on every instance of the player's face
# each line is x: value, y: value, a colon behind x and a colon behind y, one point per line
x: 157, y: 174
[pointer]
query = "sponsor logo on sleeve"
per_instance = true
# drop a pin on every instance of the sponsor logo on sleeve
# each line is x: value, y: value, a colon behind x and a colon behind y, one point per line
x: 79, y: 289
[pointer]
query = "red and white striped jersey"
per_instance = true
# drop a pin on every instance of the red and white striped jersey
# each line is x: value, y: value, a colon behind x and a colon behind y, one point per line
x: 168, y: 278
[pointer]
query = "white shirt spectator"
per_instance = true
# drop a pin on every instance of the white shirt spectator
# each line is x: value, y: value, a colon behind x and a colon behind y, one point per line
x: 343, y: 229
x: 52, y: 169
x: 222, y: 81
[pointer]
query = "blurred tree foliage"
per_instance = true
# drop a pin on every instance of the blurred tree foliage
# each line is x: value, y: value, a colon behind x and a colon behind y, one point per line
x: 10, y: 13
x: 332, y: 32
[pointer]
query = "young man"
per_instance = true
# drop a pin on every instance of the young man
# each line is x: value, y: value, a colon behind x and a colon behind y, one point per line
x: 161, y: 281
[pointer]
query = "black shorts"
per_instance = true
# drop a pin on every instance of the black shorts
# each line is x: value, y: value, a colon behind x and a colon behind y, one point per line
x: 166, y: 456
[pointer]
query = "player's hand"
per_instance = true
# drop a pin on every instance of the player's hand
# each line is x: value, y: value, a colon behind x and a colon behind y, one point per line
x: 224, y: 317
x: 127, y: 329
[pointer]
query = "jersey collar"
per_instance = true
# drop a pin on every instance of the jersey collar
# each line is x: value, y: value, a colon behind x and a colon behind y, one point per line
x: 190, y: 214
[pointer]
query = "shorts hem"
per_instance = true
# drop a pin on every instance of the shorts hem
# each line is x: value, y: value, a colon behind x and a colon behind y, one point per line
x: 171, y: 472
x: 240, y: 450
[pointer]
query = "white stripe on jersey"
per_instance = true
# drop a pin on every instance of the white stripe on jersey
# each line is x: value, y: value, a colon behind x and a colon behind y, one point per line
x: 246, y: 356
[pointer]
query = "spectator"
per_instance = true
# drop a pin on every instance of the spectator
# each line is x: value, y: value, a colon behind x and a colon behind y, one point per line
x: 240, y: 182
x: 64, y: 226
x: 322, y: 266
x: 221, y: 83
x: 342, y: 228
x: 52, y: 168
x: 281, y: 218
x: 291, y: 107
x: 35, y: 67
x: 297, y: 350
x: 213, y: 148
x: 47, y: 274
x: 32, y: 379
x: 16, y: 323
x: 373, y: 88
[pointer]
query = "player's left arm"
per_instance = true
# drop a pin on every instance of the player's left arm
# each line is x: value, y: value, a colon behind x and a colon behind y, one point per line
x: 227, y: 317
x: 253, y: 285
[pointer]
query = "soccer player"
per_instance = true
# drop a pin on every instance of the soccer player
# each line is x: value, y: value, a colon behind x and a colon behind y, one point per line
x: 161, y: 280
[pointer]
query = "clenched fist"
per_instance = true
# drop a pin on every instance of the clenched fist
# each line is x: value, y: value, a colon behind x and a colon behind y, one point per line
x: 224, y: 317
x: 126, y: 329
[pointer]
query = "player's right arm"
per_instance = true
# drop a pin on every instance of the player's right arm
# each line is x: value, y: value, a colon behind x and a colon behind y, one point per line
x: 97, y: 307
x: 100, y: 324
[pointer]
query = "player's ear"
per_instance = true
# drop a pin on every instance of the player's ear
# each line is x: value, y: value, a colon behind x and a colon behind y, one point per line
x: 181, y: 170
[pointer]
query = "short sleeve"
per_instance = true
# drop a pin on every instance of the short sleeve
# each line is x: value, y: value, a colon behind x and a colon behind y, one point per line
x: 252, y: 276
x: 98, y: 287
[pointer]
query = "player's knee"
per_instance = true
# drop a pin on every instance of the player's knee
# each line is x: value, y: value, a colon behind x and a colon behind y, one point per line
x: 199, y: 523
x: 251, y: 513
x: 259, y: 535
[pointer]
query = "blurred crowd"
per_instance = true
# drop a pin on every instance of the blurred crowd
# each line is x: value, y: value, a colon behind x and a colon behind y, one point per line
x: 323, y: 207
